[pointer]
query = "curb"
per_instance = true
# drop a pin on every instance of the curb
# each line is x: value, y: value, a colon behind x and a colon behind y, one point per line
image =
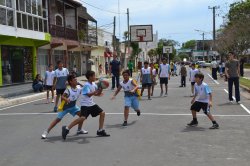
x: 19, y: 100
x: 245, y: 88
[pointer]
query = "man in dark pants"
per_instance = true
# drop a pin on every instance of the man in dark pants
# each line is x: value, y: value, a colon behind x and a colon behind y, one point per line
x: 214, y: 66
x: 233, y: 73
x: 115, y: 66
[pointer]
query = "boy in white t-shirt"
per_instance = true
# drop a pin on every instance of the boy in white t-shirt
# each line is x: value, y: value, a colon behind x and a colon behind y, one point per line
x: 164, y: 76
x: 154, y: 74
x: 49, y: 78
x: 192, y: 73
x: 88, y: 107
x: 202, y: 100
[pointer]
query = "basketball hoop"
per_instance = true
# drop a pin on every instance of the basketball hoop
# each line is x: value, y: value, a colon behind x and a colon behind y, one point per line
x: 141, y: 38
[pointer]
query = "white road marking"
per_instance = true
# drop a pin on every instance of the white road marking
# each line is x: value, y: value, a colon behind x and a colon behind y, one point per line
x: 244, y: 107
x: 152, y: 114
x: 213, y: 79
x: 5, y: 108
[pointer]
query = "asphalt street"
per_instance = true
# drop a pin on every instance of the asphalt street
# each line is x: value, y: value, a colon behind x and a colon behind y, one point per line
x: 159, y: 137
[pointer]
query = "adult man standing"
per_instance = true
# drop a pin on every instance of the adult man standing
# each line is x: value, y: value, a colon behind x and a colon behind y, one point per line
x: 214, y: 66
x: 233, y: 73
x: 59, y: 82
x: 115, y: 66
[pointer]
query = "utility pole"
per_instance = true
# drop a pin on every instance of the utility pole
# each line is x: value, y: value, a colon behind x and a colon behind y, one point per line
x: 125, y: 60
x: 114, y: 37
x: 214, y: 22
x: 203, y: 45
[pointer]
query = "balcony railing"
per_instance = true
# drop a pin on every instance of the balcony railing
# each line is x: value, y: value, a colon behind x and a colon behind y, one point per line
x: 90, y: 40
x: 62, y: 32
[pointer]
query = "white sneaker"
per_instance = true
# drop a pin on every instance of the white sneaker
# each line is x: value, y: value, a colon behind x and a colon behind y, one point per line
x: 52, y: 101
x: 161, y: 94
x: 230, y: 101
x: 238, y: 102
x: 82, y: 132
x: 44, y: 135
x: 166, y: 94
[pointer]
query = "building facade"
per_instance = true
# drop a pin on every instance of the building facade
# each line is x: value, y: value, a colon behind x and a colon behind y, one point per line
x: 23, y: 28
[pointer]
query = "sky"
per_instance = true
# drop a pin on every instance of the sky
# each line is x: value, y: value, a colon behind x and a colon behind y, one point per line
x: 172, y: 19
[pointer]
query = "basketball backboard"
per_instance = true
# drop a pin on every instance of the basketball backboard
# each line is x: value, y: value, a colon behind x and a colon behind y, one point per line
x: 167, y: 49
x: 141, y: 33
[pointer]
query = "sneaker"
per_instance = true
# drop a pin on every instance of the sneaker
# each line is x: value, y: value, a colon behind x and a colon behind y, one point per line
x: 52, y: 101
x: 149, y: 98
x: 161, y: 94
x: 138, y: 113
x: 215, y: 126
x: 102, y: 133
x: 44, y: 135
x: 55, y: 109
x: 238, y: 102
x: 166, y: 94
x: 230, y: 101
x: 125, y: 123
x: 65, y: 132
x: 193, y: 123
x: 82, y: 132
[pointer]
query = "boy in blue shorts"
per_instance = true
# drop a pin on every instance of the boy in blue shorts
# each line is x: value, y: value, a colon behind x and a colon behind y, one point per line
x: 130, y: 97
x: 88, y: 107
x: 202, y: 100
x: 70, y: 96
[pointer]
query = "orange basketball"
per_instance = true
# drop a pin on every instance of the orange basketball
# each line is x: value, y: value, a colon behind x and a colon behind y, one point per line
x: 103, y: 84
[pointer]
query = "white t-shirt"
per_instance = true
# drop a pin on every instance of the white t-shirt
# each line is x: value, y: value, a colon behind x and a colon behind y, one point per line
x: 154, y: 72
x: 85, y: 99
x: 49, y: 76
x: 73, y: 95
x: 128, y: 86
x: 192, y: 74
x: 61, y: 76
x: 164, y: 70
x: 202, y: 91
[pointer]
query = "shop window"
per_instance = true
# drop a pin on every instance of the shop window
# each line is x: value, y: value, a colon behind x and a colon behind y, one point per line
x: 10, y: 18
x: 24, y: 21
x: 19, y: 20
x: 35, y: 23
x: 34, y: 7
x: 2, y: 2
x: 30, y: 23
x: 2, y: 16
x: 59, y: 20
x: 28, y: 6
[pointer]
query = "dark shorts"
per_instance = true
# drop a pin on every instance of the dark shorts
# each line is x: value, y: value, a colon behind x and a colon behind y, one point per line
x: 60, y: 91
x: 197, y: 106
x: 164, y: 80
x: 192, y: 83
x: 146, y: 85
x: 94, y: 111
x: 172, y: 70
x: 48, y: 87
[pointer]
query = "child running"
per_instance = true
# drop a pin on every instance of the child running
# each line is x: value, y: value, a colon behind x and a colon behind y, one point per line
x: 70, y: 96
x: 164, y: 76
x: 49, y: 77
x: 202, y: 100
x: 192, y: 73
x: 146, y: 79
x: 88, y: 107
x: 130, y: 97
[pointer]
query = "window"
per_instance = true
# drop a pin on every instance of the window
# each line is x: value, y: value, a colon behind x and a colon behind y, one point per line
x: 45, y: 24
x: 10, y: 18
x: 28, y: 6
x: 24, y: 21
x: 39, y: 7
x: 40, y: 25
x: 9, y: 3
x: 2, y: 2
x: 34, y: 8
x: 22, y: 6
x: 19, y: 20
x: 2, y: 16
x: 35, y: 23
x: 17, y: 5
x: 59, y: 20
x: 30, y: 23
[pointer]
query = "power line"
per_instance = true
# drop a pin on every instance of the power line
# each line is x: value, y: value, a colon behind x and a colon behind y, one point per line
x: 108, y: 11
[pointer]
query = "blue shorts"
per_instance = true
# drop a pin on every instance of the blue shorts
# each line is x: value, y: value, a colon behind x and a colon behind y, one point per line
x: 131, y: 101
x: 73, y: 111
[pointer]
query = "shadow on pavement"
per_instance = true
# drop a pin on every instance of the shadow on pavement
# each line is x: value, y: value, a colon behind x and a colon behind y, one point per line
x: 188, y: 129
x: 120, y: 125
x: 83, y: 139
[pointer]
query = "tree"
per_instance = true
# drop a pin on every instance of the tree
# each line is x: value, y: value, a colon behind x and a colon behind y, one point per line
x: 189, y: 44
x: 167, y: 42
x: 183, y: 55
x: 135, y: 49
x: 152, y: 53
